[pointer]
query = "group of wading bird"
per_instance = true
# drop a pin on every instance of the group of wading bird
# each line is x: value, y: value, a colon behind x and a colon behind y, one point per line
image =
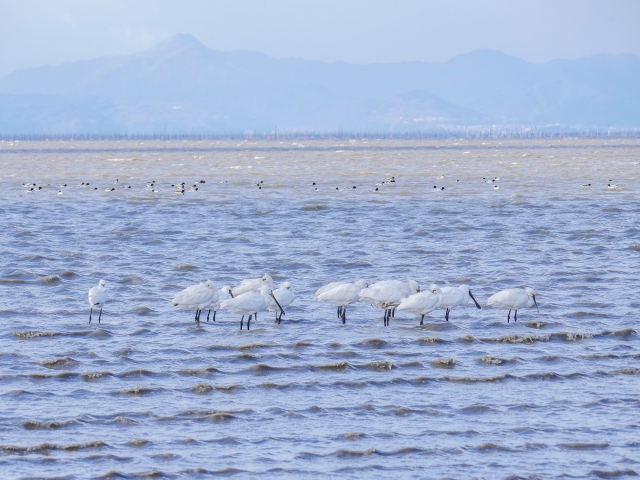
x: 257, y: 294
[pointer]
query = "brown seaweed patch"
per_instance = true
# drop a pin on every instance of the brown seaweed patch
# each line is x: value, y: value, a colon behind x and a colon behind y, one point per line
x: 585, y: 446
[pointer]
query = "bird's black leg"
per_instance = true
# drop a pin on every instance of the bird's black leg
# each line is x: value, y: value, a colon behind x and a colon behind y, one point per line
x: 214, y: 315
x: 255, y: 315
x: 508, y: 316
x: 241, y: 322
x: 99, y: 316
x: 422, y: 320
x: 208, y: 313
x: 515, y: 316
x: 339, y: 312
x: 446, y: 316
x: 249, y: 322
x: 90, y: 312
x: 276, y: 317
x: 344, y: 315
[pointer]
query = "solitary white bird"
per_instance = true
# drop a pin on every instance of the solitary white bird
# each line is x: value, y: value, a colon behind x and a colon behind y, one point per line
x: 197, y: 297
x: 341, y: 294
x: 285, y: 297
x: 422, y: 303
x: 386, y: 295
x: 408, y: 288
x: 514, y: 299
x: 456, y: 297
x: 223, y: 294
x: 252, y: 285
x: 250, y: 303
x: 97, y: 298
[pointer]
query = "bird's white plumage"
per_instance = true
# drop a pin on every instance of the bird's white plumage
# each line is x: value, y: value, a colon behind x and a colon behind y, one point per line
x: 223, y: 294
x: 249, y: 302
x: 513, y: 299
x: 341, y: 295
x: 408, y: 288
x: 98, y: 295
x: 196, y: 297
x: 382, y: 295
x: 283, y: 295
x: 422, y: 303
x: 252, y: 285
x: 359, y: 283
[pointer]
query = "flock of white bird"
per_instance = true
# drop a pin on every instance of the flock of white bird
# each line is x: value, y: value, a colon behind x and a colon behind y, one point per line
x: 258, y: 294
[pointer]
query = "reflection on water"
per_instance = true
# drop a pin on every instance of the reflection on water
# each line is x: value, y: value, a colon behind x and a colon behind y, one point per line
x: 149, y: 392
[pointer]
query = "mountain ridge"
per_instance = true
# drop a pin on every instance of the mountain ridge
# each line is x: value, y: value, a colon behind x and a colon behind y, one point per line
x: 152, y: 91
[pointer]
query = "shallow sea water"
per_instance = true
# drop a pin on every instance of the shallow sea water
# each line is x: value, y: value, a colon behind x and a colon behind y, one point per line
x: 148, y: 393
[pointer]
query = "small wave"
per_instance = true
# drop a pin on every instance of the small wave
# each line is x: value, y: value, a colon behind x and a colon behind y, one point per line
x: 585, y: 446
x: 313, y: 208
x: 536, y: 324
x: 185, y: 267
x: 99, y: 333
x: 264, y: 368
x: 51, y: 425
x: 355, y: 453
x: 202, y: 388
x: 50, y: 279
x: 124, y: 420
x: 203, y: 371
x: 134, y: 280
x: 257, y: 345
x: 140, y: 372
x: 26, y: 334
x: 301, y: 344
x: 353, y: 435
x: 614, y: 473
x: 226, y: 388
x: 221, y: 417
x: 373, y: 342
x: 518, y: 339
x: 570, y: 336
x: 333, y: 366
x: 225, y: 472
x: 44, y: 448
x: 142, y: 310
x: 497, y: 378
x: 467, y: 338
x: 627, y: 332
x: 11, y: 281
x: 59, y: 362
x: 491, y: 360
x: 68, y: 274
x: 430, y: 340
x: 444, y: 362
x: 485, y: 447
x: 137, y: 391
x: 379, y: 366
x: 629, y: 371
x: 138, y: 443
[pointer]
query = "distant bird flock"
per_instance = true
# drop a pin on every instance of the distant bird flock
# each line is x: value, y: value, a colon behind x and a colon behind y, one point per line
x: 258, y: 295
x: 180, y: 188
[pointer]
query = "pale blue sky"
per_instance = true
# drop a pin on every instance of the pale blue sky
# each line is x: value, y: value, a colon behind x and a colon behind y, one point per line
x: 37, y: 32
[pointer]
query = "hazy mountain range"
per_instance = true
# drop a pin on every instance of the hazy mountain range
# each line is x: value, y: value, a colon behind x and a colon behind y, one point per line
x: 183, y: 86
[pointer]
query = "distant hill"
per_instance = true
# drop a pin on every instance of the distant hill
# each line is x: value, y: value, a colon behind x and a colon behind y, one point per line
x: 183, y: 86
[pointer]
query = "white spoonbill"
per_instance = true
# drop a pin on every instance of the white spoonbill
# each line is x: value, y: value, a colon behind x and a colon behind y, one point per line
x: 456, y: 297
x: 285, y: 296
x: 408, y: 288
x: 97, y: 298
x: 514, y: 299
x: 223, y: 294
x: 250, y: 303
x: 197, y: 297
x: 422, y: 303
x: 341, y: 294
x: 252, y: 285
x: 383, y: 296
